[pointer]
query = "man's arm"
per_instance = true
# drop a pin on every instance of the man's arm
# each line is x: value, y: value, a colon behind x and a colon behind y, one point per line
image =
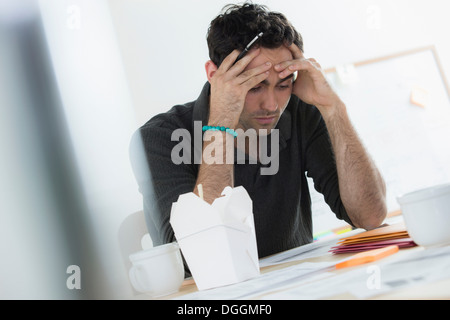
x: 362, y: 189
x: 229, y: 87
x: 361, y: 186
x: 214, y: 177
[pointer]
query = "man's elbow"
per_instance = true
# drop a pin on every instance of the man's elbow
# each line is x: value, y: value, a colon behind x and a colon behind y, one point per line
x: 376, y: 211
x: 374, y: 218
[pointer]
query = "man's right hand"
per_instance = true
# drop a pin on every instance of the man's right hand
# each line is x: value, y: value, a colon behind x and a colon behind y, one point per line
x: 230, y: 85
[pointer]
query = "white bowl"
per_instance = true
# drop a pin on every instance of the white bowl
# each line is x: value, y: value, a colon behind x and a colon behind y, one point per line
x: 158, y: 271
x: 427, y: 214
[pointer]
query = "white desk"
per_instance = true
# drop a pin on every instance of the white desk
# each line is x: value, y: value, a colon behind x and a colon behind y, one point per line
x: 411, y: 273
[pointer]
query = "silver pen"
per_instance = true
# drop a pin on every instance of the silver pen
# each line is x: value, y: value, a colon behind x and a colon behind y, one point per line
x: 248, y: 47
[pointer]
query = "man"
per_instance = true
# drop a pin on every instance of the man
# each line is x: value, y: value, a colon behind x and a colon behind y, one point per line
x: 315, y: 137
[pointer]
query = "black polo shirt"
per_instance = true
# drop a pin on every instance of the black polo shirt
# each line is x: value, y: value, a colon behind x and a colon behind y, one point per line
x: 281, y: 202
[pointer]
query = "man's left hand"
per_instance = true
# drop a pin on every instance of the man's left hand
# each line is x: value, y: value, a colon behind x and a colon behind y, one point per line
x: 311, y: 85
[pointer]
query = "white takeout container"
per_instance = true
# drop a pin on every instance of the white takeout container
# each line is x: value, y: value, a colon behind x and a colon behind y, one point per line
x: 218, y: 241
x: 427, y: 214
x: 157, y: 271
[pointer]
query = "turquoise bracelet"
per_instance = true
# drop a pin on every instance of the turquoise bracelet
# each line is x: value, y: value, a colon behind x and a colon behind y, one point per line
x: 219, y: 128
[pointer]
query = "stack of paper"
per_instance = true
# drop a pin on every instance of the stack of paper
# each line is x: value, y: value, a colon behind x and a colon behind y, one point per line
x: 378, y: 238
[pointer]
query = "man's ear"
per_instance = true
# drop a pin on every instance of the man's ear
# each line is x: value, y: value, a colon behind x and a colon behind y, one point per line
x: 210, y: 69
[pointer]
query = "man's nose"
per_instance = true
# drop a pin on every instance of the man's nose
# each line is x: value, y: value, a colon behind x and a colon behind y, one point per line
x: 269, y: 102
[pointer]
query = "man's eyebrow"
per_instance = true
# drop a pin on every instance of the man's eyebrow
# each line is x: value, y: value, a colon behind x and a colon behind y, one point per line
x: 265, y: 82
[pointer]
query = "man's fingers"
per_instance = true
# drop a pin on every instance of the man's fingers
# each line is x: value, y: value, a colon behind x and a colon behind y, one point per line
x: 299, y: 63
x: 292, y: 66
x: 227, y: 63
x: 315, y: 63
x: 296, y: 52
x: 283, y: 65
x: 253, y: 81
x: 245, y: 76
x: 240, y: 66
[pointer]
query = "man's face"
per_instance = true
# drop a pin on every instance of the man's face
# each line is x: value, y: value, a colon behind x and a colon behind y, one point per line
x: 265, y: 103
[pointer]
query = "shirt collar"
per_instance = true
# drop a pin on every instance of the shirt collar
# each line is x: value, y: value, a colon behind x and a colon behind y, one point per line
x: 201, y: 111
x: 201, y: 106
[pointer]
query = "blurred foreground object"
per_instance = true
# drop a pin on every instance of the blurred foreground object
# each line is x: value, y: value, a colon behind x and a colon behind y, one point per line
x: 45, y: 238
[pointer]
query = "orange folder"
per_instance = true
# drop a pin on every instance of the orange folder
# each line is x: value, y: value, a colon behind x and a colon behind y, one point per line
x: 381, y: 237
x: 395, y: 231
x: 367, y: 256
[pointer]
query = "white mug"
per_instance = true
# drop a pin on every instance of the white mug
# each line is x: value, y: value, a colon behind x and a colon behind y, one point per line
x: 427, y: 215
x: 157, y: 271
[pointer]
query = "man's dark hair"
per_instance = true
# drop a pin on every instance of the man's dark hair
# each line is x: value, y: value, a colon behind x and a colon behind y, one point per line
x: 237, y: 25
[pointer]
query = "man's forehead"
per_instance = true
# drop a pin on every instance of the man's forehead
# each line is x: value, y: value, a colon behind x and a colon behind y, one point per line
x: 275, y: 56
